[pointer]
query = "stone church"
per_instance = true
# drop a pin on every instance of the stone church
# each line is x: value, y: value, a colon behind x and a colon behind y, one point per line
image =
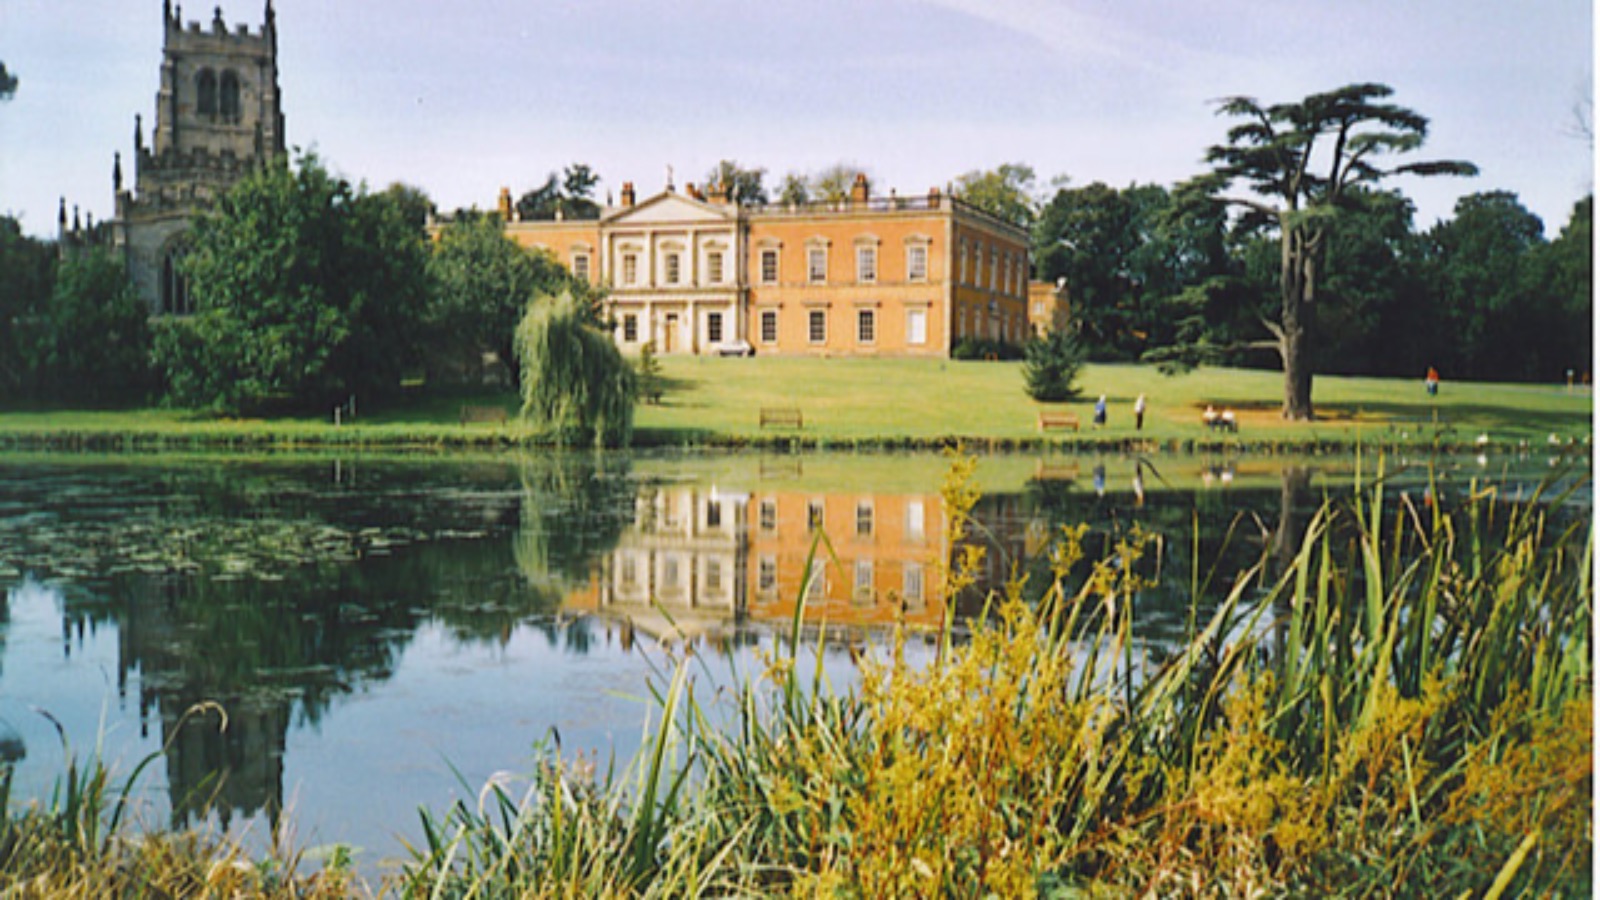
x: 219, y: 116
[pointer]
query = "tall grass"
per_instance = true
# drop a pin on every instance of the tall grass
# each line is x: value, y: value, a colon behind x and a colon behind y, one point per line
x: 1399, y: 706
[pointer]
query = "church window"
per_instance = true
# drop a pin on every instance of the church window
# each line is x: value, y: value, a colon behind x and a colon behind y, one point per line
x: 206, y: 93
x: 174, y: 289
x: 229, y: 100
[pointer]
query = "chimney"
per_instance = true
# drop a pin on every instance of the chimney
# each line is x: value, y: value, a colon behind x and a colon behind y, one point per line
x: 693, y: 191
x: 627, y: 194
x: 933, y: 197
x: 719, y: 193
x: 859, y: 191
x: 505, y: 204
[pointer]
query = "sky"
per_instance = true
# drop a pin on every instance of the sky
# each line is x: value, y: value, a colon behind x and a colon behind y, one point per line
x: 465, y: 97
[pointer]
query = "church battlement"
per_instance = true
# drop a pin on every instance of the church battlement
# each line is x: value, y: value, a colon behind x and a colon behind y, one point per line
x: 194, y: 36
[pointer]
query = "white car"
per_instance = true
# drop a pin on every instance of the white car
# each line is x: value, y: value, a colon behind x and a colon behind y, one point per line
x: 735, y: 348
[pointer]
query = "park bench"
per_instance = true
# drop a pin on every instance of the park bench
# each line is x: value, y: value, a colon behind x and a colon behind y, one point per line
x: 482, y: 414
x: 781, y: 417
x: 1055, y: 419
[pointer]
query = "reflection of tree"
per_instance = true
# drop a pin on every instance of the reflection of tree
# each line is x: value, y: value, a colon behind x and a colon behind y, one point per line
x: 574, y: 508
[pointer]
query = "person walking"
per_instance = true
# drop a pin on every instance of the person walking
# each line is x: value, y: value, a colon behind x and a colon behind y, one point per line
x: 1100, y: 411
x: 1138, y: 414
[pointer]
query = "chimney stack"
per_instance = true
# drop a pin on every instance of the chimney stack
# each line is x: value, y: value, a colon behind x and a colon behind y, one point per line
x: 505, y: 204
x: 859, y: 192
x: 627, y: 194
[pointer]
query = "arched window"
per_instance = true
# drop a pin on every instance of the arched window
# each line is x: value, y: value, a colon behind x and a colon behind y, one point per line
x: 174, y: 290
x: 230, y: 96
x: 206, y: 91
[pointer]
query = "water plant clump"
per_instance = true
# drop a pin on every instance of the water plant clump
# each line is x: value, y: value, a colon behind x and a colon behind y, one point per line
x: 1397, y: 704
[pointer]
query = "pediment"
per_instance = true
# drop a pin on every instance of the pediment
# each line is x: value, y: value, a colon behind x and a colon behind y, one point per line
x: 668, y: 206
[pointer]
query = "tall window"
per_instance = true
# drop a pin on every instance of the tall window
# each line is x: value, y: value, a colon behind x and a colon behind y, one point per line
x: 963, y: 260
x: 913, y: 583
x: 767, y: 575
x: 230, y: 96
x: 977, y: 266
x: 866, y: 326
x: 917, y: 263
x: 864, y: 518
x: 994, y: 269
x: 915, y: 520
x: 174, y: 289
x: 817, y: 264
x: 714, y: 327
x: 769, y: 326
x: 867, y: 264
x: 714, y: 514
x: 767, y: 517
x: 630, y: 268
x: 206, y: 93
x: 814, y: 515
x: 916, y: 326
x: 580, y: 266
x: 769, y: 267
x: 714, y: 267
x: 817, y: 326
x: 674, y: 267
x: 630, y: 328
x: 713, y: 576
x: 863, y: 591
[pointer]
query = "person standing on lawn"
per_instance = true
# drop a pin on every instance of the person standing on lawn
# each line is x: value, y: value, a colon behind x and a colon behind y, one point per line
x: 1433, y: 382
x: 1138, y: 414
x: 1100, y: 411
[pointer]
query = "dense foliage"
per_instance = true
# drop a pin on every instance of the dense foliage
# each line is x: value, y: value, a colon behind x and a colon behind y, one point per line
x: 92, y: 343
x: 575, y: 382
x: 481, y: 283
x: 307, y: 291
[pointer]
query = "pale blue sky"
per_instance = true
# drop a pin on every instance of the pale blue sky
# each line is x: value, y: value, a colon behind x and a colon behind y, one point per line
x: 460, y: 98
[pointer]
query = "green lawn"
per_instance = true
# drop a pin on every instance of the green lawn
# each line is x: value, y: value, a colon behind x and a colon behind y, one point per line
x: 849, y: 399
x: 864, y: 401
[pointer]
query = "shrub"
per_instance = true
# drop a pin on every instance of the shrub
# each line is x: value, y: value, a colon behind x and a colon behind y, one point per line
x: 1051, y: 365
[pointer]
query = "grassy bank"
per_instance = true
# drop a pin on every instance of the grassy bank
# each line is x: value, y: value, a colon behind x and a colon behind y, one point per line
x: 848, y: 403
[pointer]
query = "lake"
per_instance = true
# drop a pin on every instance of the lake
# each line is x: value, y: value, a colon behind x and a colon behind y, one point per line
x: 329, y: 643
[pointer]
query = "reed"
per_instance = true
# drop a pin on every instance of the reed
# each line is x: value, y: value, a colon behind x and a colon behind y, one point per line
x: 1397, y: 704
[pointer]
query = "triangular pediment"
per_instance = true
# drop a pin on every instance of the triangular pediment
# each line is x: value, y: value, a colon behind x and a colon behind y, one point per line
x: 672, y: 207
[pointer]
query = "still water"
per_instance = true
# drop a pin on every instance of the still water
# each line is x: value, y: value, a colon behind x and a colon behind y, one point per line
x: 330, y: 643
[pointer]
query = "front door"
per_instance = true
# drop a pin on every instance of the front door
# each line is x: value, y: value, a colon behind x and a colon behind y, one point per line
x: 669, y: 338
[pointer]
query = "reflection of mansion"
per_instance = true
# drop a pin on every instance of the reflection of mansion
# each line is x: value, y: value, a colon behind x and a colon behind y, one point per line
x: 694, y: 272
x: 709, y: 558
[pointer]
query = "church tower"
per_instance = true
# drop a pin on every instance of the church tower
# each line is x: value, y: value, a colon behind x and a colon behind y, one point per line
x: 218, y: 117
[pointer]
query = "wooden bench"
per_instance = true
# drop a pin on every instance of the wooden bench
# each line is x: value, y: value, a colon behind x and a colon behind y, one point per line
x: 1049, y: 419
x: 482, y: 414
x: 781, y: 416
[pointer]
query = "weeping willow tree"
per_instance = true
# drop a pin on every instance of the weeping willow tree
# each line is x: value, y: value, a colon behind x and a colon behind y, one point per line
x: 575, y: 383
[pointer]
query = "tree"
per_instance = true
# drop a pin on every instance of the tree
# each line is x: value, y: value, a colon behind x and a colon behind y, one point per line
x: 1300, y: 184
x: 743, y: 184
x: 1051, y: 365
x: 832, y: 184
x: 27, y: 270
x: 414, y: 204
x: 575, y: 382
x: 306, y: 291
x: 93, y: 343
x: 480, y: 284
x: 8, y: 83
x: 1005, y: 193
x: 794, y: 191
x: 1565, y: 273
x: 569, y: 194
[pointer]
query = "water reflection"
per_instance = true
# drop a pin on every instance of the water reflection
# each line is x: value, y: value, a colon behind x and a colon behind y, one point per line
x: 289, y: 593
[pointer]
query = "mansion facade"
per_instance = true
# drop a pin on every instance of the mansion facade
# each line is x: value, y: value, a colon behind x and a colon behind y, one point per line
x: 695, y: 273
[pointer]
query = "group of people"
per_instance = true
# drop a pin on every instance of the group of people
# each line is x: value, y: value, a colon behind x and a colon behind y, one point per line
x: 1138, y: 413
x: 1224, y: 420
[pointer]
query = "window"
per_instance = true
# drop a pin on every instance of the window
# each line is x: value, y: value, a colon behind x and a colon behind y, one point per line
x: 814, y: 514
x: 913, y: 583
x: 867, y: 264
x: 229, y: 101
x: 977, y: 266
x: 767, y: 575
x: 206, y: 93
x: 864, y: 518
x: 714, y: 267
x: 174, y: 288
x: 914, y: 519
x: 769, y: 326
x: 769, y: 267
x: 630, y: 268
x: 630, y: 571
x: 994, y: 268
x: 580, y: 266
x: 767, y: 517
x: 863, y: 579
x: 714, y: 327
x: 713, y: 576
x: 916, y: 326
x: 963, y: 260
x: 674, y: 267
x: 630, y: 328
x: 817, y: 326
x: 866, y: 326
x: 817, y: 264
x: 714, y: 514
x: 1008, y: 274
x: 917, y: 263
